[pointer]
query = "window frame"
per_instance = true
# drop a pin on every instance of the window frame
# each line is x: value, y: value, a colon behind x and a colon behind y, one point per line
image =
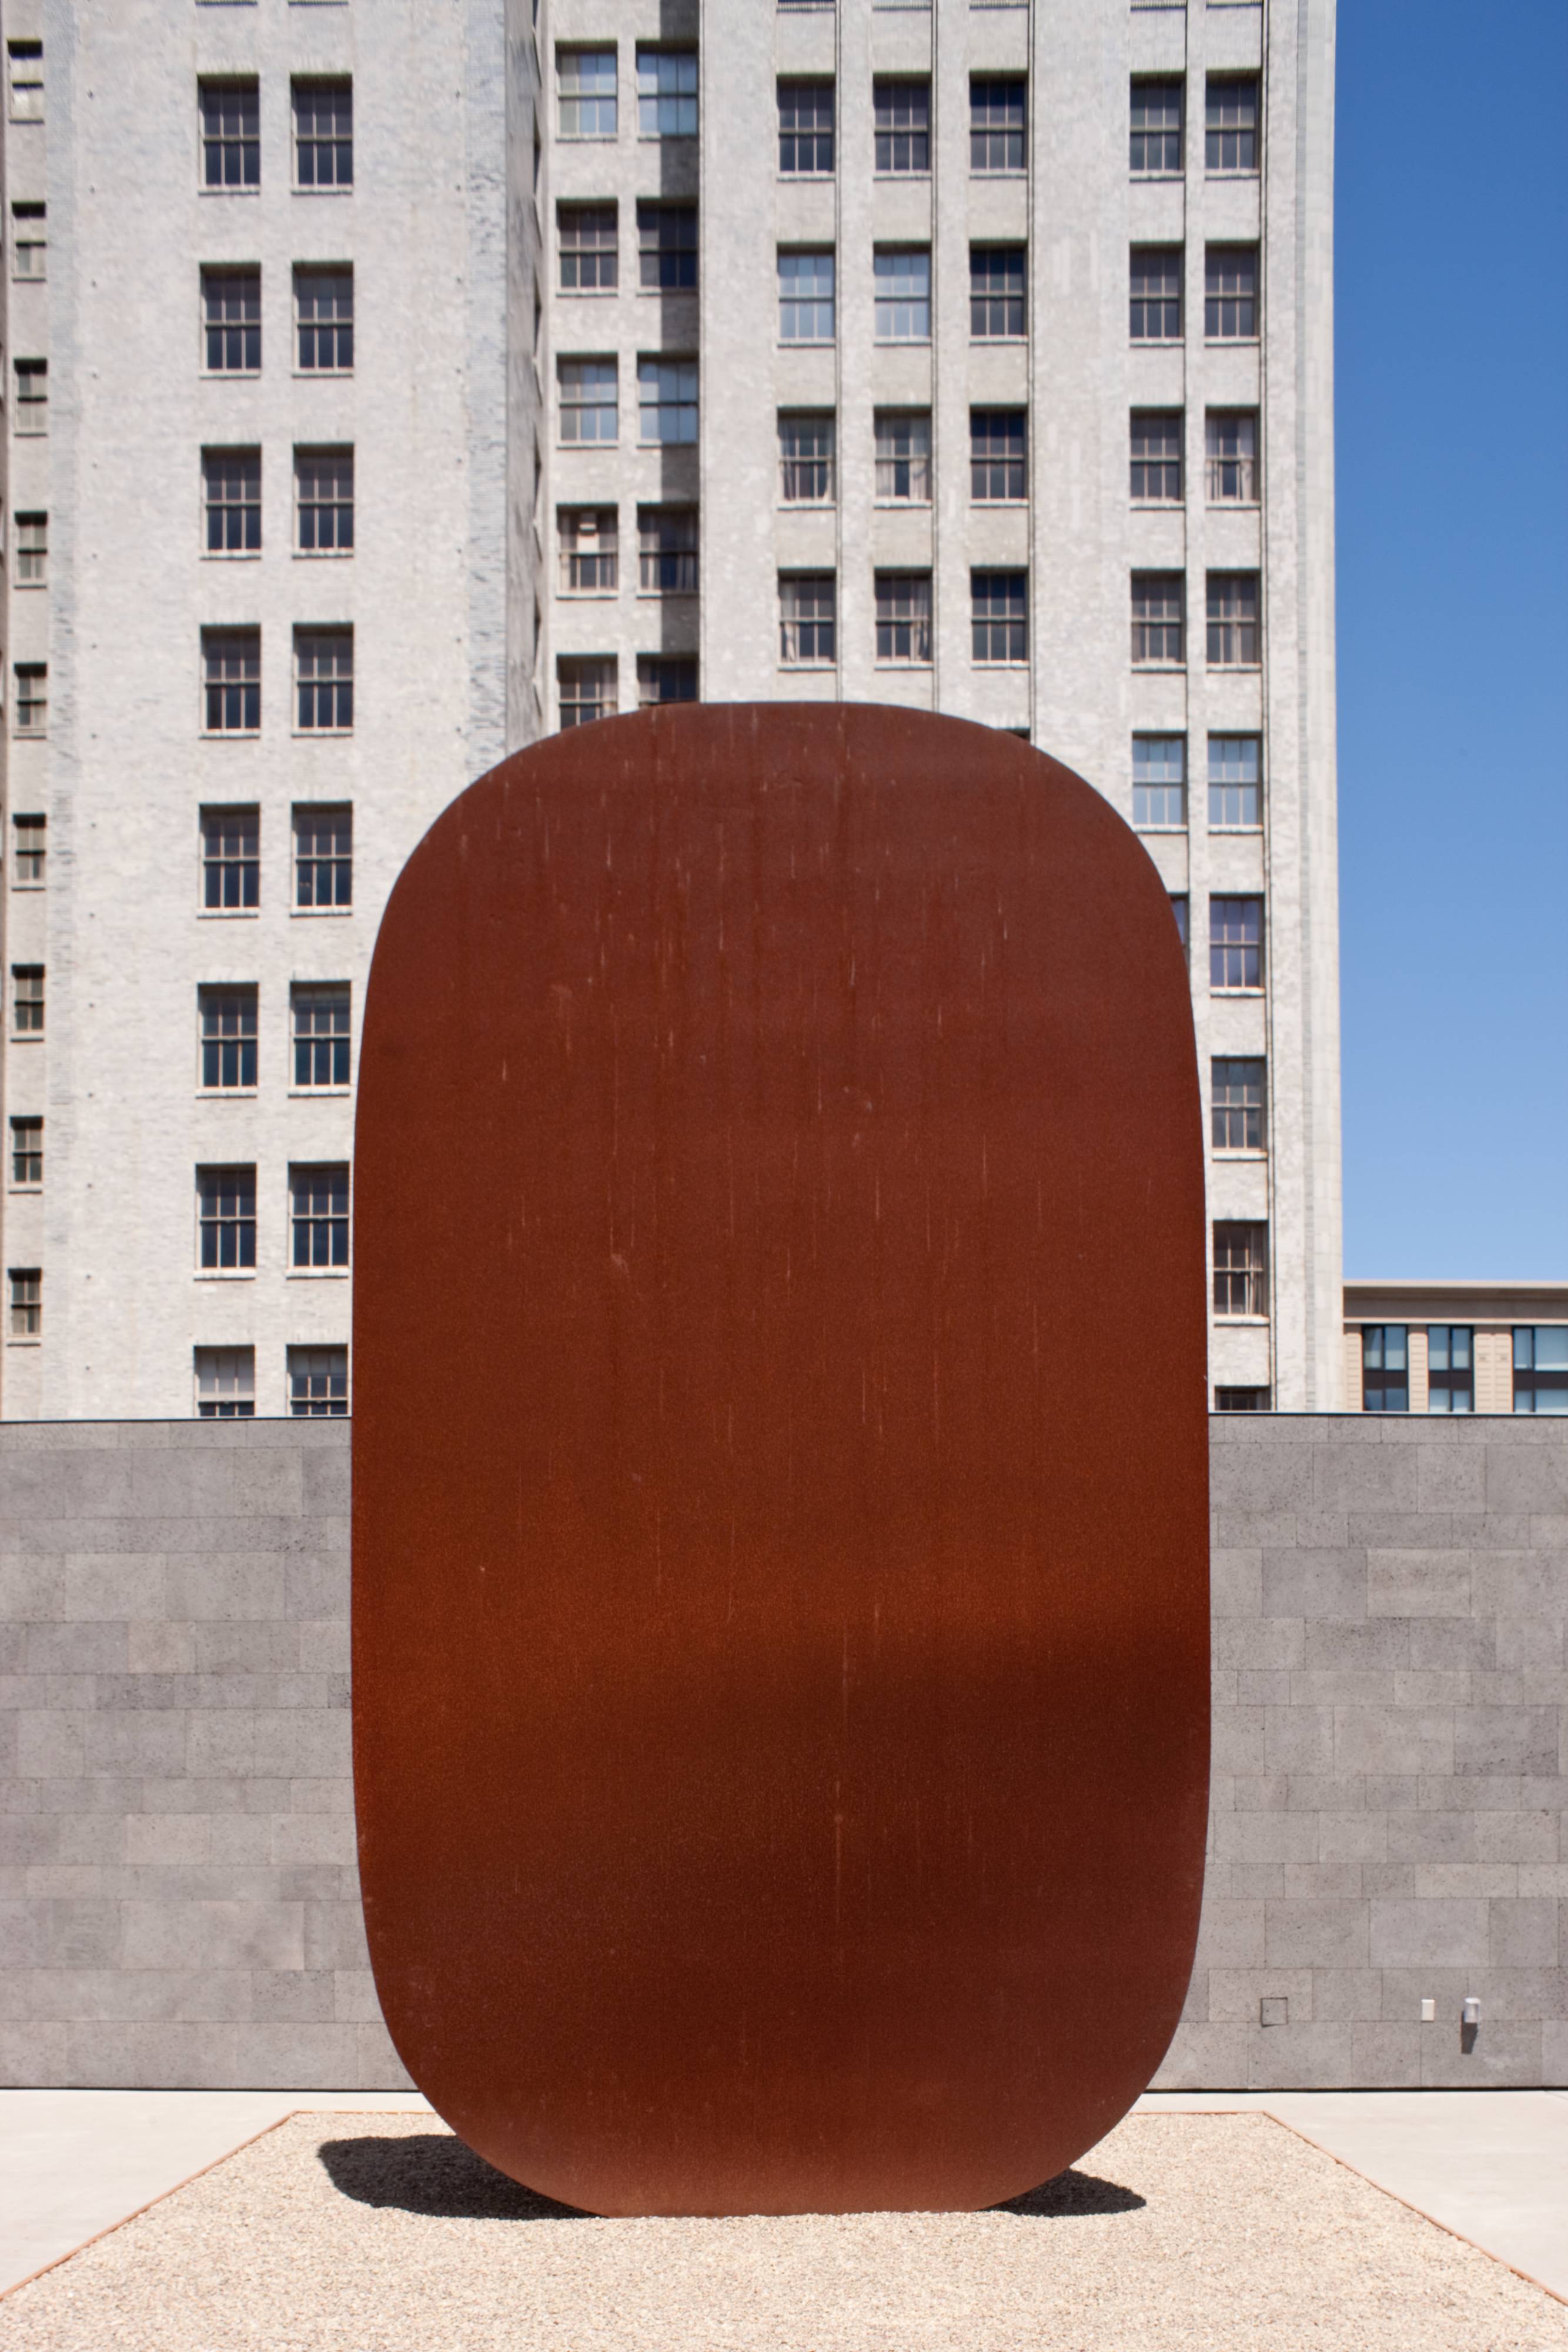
x: 210, y: 1176
x: 226, y: 467
x: 1016, y: 653
x: 655, y: 365
x: 600, y: 254
x: 1139, y: 168
x: 1212, y: 131
x: 311, y: 85
x: 242, y: 1404
x: 338, y: 455
x: 239, y: 641
x: 305, y: 853
x: 27, y: 210
x: 214, y: 819
x: 1251, y: 1115
x: 31, y: 877
x: 1152, y: 459
x: 30, y: 709
x: 1239, y: 784
x: 793, y: 305
x: 819, y: 620
x: 334, y: 1402
x: 1384, y: 1351
x: 565, y: 98
x: 989, y: 251
x: 26, y: 1148
x: 28, y: 1003
x: 813, y: 132
x: 608, y: 667
x: 680, y: 514
x: 905, y: 638
x: 914, y: 133
x: 677, y: 53
x: 244, y: 331
x: 1173, y: 258
x: 828, y: 460
x: 1144, y: 820
x: 315, y: 689
x: 887, y: 308
x: 1447, y: 1378
x: 889, y: 460
x: 1007, y: 131
x: 1233, y: 620
x: 608, y: 363
x: 1549, y: 1378
x: 338, y: 326
x: 309, y: 1178
x: 654, y: 671
x: 245, y: 142
x: 1248, y: 1278
x: 220, y: 999
x: 571, y: 551
x: 32, y: 407
x: 1250, y: 951
x: 23, y: 1306
x: 1217, y: 462
x: 1146, y: 621
x: 992, y: 463
x: 309, y: 997
x: 1219, y: 300
x: 679, y: 251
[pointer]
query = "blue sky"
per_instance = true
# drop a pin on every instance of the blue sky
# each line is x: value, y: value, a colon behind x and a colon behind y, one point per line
x: 1452, y: 425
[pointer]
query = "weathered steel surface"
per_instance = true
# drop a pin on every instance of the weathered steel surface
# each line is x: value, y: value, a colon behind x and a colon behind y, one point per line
x: 780, y: 1575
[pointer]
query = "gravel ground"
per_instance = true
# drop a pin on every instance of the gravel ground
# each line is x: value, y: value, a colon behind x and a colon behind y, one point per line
x: 382, y: 2233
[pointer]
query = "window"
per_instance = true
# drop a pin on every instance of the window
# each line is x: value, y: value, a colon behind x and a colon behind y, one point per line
x: 1385, y: 1368
x: 1541, y: 1367
x: 667, y: 400
x: 323, y: 857
x: 324, y: 501
x: 231, y: 671
x: 996, y: 292
x: 1238, y: 1110
x: 1232, y: 444
x: 586, y: 690
x: 29, y: 245
x: 667, y: 551
x: 1179, y: 914
x: 227, y: 1020
x: 231, y: 501
x: 324, y: 681
x: 997, y: 451
x: 1159, y: 781
x: 904, y: 618
x: 1236, y: 943
x: 1233, y: 642
x: 1159, y: 620
x: 997, y: 124
x: 903, y: 113
x: 324, y: 319
x: 1235, y: 783
x: 1157, y: 456
x: 666, y: 93
x: 1155, y: 294
x: 31, y: 836
x: 226, y: 1220
x: 318, y: 1017
x: 903, y: 455
x: 231, y: 134
x: 806, y: 297
x: 590, y: 549
x: 319, y: 1217
x: 1240, y: 1269
x: 999, y: 609
x: 1230, y: 130
x: 808, y: 612
x: 32, y: 698
x: 25, y: 62
x: 661, y: 677
x: 805, y: 456
x: 32, y: 549
x: 26, y: 999
x: 225, y: 1384
x: 231, y: 315
x: 588, y: 247
x: 587, y: 400
x: 1230, y: 294
x: 230, y: 860
x: 903, y: 294
x: 1450, y: 1368
x: 667, y: 247
x: 805, y: 127
x: 323, y: 134
x: 27, y: 1153
x: 1240, y: 1400
x: 31, y: 395
x: 585, y: 80
x: 27, y: 1302
x: 318, y: 1383
x: 1156, y: 129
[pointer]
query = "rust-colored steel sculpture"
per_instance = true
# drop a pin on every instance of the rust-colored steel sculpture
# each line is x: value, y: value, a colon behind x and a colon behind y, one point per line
x: 780, y: 1549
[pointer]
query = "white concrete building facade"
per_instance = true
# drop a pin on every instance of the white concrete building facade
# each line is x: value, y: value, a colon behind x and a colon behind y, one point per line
x: 977, y: 357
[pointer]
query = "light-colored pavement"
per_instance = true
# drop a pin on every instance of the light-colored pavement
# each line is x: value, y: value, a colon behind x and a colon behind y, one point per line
x: 73, y: 2163
x: 1492, y: 2165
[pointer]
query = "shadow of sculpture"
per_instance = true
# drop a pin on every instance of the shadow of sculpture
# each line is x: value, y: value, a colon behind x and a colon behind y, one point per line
x: 429, y: 2173
x: 1072, y: 2193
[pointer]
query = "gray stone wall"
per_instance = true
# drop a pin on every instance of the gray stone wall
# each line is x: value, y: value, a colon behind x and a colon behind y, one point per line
x: 178, y: 1902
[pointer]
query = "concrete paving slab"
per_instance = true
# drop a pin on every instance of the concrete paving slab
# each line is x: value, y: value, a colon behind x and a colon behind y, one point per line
x: 74, y: 2163
x: 1491, y: 2165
